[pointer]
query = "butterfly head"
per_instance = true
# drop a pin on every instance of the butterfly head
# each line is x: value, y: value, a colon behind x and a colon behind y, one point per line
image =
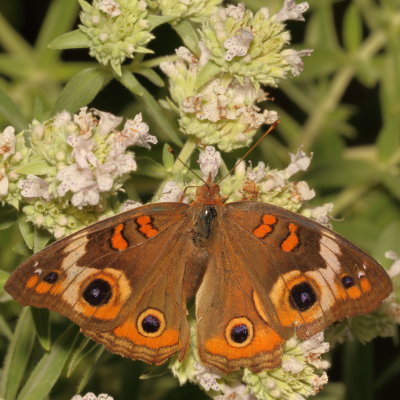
x: 208, y: 194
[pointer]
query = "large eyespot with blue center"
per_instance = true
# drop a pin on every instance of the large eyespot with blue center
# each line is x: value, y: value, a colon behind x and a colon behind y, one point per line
x: 97, y: 293
x: 151, y: 323
x: 302, y: 296
x: 239, y: 332
x: 51, y: 277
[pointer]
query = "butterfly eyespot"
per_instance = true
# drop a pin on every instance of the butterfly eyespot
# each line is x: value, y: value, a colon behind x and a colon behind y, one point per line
x: 97, y: 293
x: 347, y: 281
x: 151, y: 323
x: 239, y: 332
x: 302, y: 296
x: 51, y: 277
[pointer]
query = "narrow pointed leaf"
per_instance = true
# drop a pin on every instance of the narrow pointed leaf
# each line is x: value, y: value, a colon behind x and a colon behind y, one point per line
x: 17, y: 357
x: 41, y: 319
x: 71, y: 40
x: 11, y: 111
x: 82, y: 89
x: 49, y: 368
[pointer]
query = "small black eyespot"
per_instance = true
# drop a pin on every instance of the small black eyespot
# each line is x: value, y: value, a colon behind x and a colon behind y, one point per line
x: 151, y: 324
x: 239, y: 333
x: 51, y: 277
x: 97, y: 292
x: 347, y: 281
x: 302, y: 296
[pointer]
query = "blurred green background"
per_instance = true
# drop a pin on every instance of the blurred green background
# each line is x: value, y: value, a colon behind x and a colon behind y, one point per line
x: 344, y: 107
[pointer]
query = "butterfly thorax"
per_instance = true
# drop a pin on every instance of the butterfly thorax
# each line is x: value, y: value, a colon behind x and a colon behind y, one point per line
x: 204, y: 224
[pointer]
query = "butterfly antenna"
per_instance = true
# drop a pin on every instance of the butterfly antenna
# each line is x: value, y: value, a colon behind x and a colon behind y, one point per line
x: 270, y: 129
x: 171, y: 150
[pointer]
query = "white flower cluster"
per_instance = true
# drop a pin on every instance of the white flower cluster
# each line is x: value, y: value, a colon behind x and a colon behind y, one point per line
x: 73, y: 162
x: 92, y: 396
x: 302, y: 373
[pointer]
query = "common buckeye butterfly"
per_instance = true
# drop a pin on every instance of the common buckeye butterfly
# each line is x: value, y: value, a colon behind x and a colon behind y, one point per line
x: 259, y: 274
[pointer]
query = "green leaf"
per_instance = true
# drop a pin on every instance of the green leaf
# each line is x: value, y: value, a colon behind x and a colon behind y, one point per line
x: 130, y: 82
x: 352, y: 28
x: 11, y: 111
x: 17, y: 357
x: 27, y: 231
x: 151, y: 75
x: 206, y: 73
x: 157, y: 20
x: 48, y: 370
x: 168, y: 157
x: 3, y: 278
x: 40, y: 239
x: 188, y: 34
x: 331, y: 174
x: 60, y: 16
x: 392, y: 183
x: 36, y: 166
x: 71, y: 40
x: 82, y: 89
x: 4, y: 328
x: 93, y: 359
x: 8, y: 216
x: 41, y: 319
x: 147, y: 166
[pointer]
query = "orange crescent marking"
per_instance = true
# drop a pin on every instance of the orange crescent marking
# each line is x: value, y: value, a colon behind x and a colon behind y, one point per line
x: 263, y: 229
x: 292, y: 240
x: 266, y: 339
x: 259, y: 307
x: 128, y: 330
x: 31, y: 282
x: 146, y: 227
x: 118, y: 242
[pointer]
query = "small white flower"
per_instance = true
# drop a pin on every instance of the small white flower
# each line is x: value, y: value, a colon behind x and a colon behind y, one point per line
x: 92, y: 396
x: 136, y: 133
x: 298, y: 162
x: 107, y: 122
x: 256, y: 174
x: 61, y: 119
x: 235, y: 12
x: 34, y: 187
x: 185, y: 54
x: 293, y: 58
x: 209, y: 161
x: 3, y: 183
x: 129, y: 205
x: 171, y: 193
x: 275, y: 180
x: 82, y: 152
x: 320, y: 214
x: 110, y: 7
x: 239, y: 44
x: 291, y: 10
x: 236, y: 391
x: 7, y: 142
x: 292, y: 365
x: 104, y: 177
x: 302, y: 192
x: 85, y: 120
x: 205, y: 378
x: 123, y: 162
x: 318, y: 382
x: 394, y: 270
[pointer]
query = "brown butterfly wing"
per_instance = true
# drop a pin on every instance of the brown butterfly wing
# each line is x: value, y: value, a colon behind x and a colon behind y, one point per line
x: 123, y: 280
x: 274, y: 273
x: 311, y: 275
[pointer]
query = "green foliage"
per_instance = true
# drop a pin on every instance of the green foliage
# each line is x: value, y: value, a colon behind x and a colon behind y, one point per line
x: 344, y: 107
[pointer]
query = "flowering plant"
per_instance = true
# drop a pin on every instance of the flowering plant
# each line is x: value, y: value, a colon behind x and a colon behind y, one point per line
x: 65, y: 165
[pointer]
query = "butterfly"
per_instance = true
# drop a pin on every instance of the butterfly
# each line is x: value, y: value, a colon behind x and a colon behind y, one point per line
x: 258, y: 273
